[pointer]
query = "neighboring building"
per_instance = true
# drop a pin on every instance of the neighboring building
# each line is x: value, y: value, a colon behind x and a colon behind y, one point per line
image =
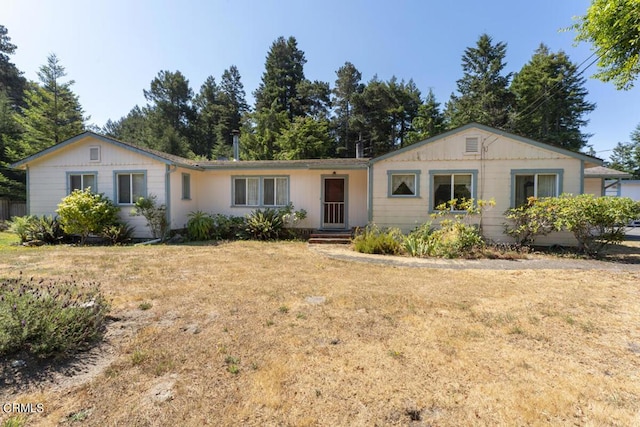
x: 398, y: 189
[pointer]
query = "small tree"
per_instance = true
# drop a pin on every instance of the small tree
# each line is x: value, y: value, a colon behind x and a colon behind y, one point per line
x: 84, y: 213
x: 155, y: 215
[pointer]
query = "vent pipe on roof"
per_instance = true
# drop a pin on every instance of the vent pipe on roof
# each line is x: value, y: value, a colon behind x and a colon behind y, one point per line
x: 236, y: 145
x: 359, y: 153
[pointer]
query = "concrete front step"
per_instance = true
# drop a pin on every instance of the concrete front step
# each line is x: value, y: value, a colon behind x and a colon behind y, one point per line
x: 330, y: 237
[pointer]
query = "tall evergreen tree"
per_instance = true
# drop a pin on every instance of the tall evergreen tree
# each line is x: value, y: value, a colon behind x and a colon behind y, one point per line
x: 550, y: 100
x: 284, y: 71
x: 12, y: 182
x: 53, y: 112
x: 171, y: 113
x: 209, y: 110
x: 428, y: 122
x: 305, y: 138
x: 12, y: 83
x: 234, y: 107
x: 484, y: 95
x: 626, y: 156
x: 347, y: 86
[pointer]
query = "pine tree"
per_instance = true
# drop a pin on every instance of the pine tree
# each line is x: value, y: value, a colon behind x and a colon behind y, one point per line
x: 12, y: 83
x: 550, y: 100
x: 52, y: 113
x: 484, y: 96
x: 429, y: 121
x: 284, y: 71
x: 626, y: 156
x: 347, y: 86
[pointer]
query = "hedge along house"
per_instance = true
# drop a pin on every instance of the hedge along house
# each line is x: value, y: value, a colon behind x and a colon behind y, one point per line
x: 332, y: 191
x: 399, y: 189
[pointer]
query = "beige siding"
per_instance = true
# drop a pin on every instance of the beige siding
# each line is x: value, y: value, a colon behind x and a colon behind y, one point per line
x: 305, y: 192
x: 494, y: 175
x: 593, y: 186
x: 48, y: 176
x: 180, y: 206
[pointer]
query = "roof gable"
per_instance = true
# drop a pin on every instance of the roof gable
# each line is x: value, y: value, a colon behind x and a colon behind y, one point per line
x: 154, y: 154
x: 497, y: 132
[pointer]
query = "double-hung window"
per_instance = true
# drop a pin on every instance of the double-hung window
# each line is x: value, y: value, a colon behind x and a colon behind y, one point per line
x: 403, y: 183
x: 260, y: 191
x: 82, y: 181
x: 535, y: 184
x: 449, y: 186
x: 130, y: 186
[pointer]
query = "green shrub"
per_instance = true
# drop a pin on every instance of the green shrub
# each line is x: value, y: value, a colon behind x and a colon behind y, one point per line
x: 457, y: 237
x: 84, y: 213
x: 227, y: 227
x: 272, y: 223
x: 200, y: 226
x: 373, y: 240
x: 419, y: 242
x: 51, y: 318
x: 119, y: 234
x: 264, y: 224
x: 46, y: 229
x: 155, y: 215
x: 21, y: 226
x: 594, y: 221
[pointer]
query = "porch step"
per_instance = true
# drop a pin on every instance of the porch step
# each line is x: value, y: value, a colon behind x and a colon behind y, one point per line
x: 330, y: 237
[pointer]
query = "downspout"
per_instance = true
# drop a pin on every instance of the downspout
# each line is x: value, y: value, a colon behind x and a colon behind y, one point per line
x: 167, y: 192
x: 582, y: 177
x: 28, y: 191
x: 370, y: 191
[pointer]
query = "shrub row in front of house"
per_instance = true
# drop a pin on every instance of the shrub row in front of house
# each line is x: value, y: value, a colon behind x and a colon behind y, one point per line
x: 595, y: 222
x: 260, y: 224
x: 80, y: 215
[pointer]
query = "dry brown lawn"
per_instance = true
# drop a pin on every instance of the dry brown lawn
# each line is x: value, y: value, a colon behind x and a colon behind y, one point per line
x: 233, y: 338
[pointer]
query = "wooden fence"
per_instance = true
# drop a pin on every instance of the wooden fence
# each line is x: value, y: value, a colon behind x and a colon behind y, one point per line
x: 10, y: 208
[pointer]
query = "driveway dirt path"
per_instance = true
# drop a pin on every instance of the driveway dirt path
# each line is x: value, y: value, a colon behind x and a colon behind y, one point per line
x: 628, y: 261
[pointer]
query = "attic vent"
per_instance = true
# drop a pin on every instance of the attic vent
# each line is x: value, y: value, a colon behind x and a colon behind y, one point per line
x: 94, y: 154
x: 471, y: 145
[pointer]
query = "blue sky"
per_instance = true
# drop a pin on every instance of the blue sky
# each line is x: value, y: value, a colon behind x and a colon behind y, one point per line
x: 113, y: 49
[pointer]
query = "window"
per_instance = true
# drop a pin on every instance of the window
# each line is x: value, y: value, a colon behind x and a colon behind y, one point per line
x: 260, y: 191
x: 446, y: 187
x: 130, y: 187
x: 81, y: 181
x: 535, y: 185
x: 403, y: 183
x: 94, y: 154
x: 186, y: 186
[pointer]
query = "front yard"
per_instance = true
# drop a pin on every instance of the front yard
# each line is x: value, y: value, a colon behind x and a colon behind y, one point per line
x: 250, y: 333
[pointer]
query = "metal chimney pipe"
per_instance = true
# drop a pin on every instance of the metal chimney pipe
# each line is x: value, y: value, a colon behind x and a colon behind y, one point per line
x: 236, y: 145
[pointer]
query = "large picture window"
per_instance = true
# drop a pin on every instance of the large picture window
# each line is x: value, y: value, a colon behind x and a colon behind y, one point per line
x: 260, y: 191
x: 535, y: 185
x: 450, y: 186
x: 403, y: 183
x: 130, y: 187
x: 82, y: 181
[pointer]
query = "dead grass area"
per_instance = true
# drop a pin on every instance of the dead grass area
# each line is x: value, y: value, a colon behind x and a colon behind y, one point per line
x: 232, y: 337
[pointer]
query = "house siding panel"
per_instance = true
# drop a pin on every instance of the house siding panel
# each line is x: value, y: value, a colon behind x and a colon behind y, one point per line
x: 305, y: 192
x: 501, y: 155
x: 48, y: 176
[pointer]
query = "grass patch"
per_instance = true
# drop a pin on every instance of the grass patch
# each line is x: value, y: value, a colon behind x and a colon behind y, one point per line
x: 439, y: 345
